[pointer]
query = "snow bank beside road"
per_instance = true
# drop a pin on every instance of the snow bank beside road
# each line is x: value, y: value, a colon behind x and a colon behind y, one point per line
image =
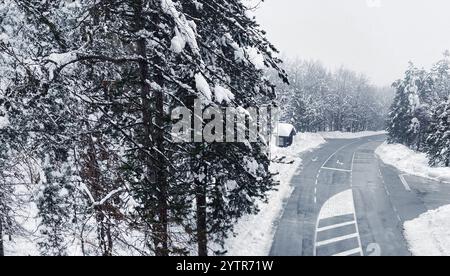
x: 255, y: 233
x: 411, y: 162
x: 429, y: 235
x: 350, y: 135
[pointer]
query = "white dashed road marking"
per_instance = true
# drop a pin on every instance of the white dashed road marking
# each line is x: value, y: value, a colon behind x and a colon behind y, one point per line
x: 326, y: 228
x: 337, y: 239
x: 334, y: 169
x: 402, y: 178
x: 348, y: 253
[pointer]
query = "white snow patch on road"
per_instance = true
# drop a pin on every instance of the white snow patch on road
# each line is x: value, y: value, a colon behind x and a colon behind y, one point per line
x: 429, y: 234
x: 255, y: 233
x: 350, y: 135
x: 411, y: 162
x: 339, y: 205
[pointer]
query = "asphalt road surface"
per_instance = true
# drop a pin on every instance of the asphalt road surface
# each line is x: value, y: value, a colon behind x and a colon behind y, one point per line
x: 346, y: 202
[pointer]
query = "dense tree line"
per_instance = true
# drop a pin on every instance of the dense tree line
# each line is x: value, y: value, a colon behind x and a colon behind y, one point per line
x: 86, y: 92
x: 320, y: 100
x: 419, y: 117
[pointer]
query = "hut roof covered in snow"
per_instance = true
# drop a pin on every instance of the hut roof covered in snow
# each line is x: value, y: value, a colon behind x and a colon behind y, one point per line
x: 285, y: 130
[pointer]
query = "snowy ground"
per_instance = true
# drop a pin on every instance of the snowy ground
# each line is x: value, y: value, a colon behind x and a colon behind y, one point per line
x: 429, y: 235
x: 350, y: 135
x: 255, y: 233
x: 411, y: 162
x: 25, y: 244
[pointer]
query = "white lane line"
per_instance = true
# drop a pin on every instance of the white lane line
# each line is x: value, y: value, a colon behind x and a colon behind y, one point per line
x: 341, y: 148
x: 354, y: 205
x: 353, y: 161
x: 335, y: 169
x: 397, y: 213
x: 315, y: 199
x: 351, y: 168
x: 349, y: 253
x: 402, y: 178
x: 335, y: 240
x: 357, y: 232
x: 326, y: 228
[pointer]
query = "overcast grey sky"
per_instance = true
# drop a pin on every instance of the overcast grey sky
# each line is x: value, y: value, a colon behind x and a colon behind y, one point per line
x: 375, y: 37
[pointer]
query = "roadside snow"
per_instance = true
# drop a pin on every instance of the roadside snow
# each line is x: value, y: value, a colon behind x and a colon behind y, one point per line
x: 429, y: 235
x: 350, y: 135
x: 255, y: 233
x: 411, y: 162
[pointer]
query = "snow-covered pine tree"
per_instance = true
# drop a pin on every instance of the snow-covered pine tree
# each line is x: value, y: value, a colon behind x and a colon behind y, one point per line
x: 54, y: 211
x: 47, y: 111
x: 83, y: 66
x: 227, y: 177
x: 35, y: 111
x: 409, y: 115
x: 438, y: 141
x: 440, y: 74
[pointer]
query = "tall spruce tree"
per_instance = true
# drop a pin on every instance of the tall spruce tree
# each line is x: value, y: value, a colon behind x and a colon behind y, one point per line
x: 408, y: 118
x: 438, y: 141
x: 228, y: 177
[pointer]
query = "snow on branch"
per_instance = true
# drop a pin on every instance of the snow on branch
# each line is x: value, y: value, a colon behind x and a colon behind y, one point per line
x: 102, y: 201
x: 185, y: 30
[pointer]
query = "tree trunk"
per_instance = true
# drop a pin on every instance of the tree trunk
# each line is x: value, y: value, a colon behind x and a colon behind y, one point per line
x: 92, y: 176
x: 202, y: 233
x: 161, y: 173
x: 156, y: 172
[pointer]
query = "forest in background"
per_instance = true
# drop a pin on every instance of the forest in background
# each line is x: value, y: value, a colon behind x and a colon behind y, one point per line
x: 318, y: 99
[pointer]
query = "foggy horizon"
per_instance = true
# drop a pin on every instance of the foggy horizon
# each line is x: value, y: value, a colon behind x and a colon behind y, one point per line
x: 375, y: 37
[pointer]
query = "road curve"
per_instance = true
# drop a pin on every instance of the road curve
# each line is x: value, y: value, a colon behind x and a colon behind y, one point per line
x: 346, y: 202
